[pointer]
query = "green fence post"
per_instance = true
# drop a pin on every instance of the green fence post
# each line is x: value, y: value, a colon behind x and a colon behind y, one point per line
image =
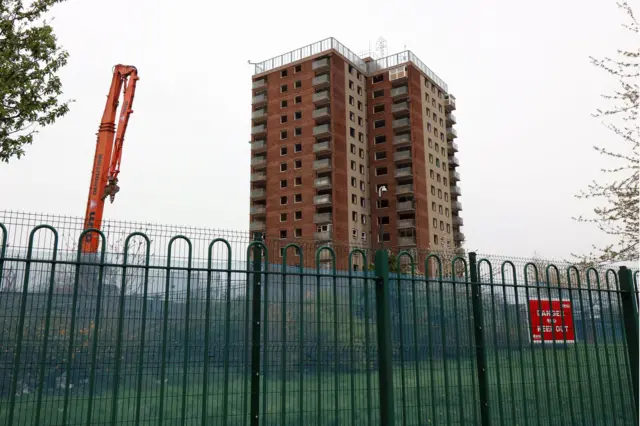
x: 630, y: 316
x: 255, y: 331
x: 478, y: 329
x: 383, y: 322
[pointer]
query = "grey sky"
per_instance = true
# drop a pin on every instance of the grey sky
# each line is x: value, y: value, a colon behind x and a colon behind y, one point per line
x: 524, y: 86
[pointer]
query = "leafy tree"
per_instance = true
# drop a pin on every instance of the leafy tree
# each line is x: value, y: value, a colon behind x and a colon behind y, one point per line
x: 618, y: 193
x: 30, y: 88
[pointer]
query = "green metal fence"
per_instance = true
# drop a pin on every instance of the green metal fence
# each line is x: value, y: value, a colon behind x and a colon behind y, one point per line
x: 214, y: 331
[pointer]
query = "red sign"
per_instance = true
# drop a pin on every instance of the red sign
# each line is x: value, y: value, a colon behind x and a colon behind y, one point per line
x: 551, y: 320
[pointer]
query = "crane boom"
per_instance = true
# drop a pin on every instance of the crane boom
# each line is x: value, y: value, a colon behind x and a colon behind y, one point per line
x: 106, y: 161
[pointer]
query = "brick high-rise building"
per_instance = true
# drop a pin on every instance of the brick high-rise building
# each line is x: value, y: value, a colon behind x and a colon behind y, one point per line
x: 341, y: 145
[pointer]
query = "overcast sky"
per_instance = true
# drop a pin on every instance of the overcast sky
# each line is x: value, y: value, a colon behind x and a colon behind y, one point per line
x: 520, y: 72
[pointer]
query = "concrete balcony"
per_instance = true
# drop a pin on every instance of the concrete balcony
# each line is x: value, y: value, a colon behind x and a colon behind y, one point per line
x: 259, y: 115
x: 404, y: 189
x: 401, y: 124
x: 259, y: 145
x: 454, y: 176
x: 400, y: 92
x: 321, y: 131
x: 322, y: 200
x: 452, y: 146
x: 453, y: 161
x: 258, y: 177
x: 322, y: 147
x: 451, y: 119
x: 322, y: 183
x: 406, y: 223
x: 259, y: 100
x: 456, y: 206
x: 402, y: 155
x: 322, y: 218
x: 320, y: 64
x: 321, y: 98
x: 457, y: 221
x: 322, y: 236
x: 402, y: 140
x: 451, y: 133
x: 405, y: 206
x: 321, y: 114
x: 258, y: 210
x: 406, y: 241
x: 456, y: 191
x: 259, y: 130
x: 259, y: 84
x: 321, y: 81
x: 458, y: 236
x: 321, y: 165
x: 400, y: 109
x: 259, y: 162
x: 257, y: 225
x: 258, y: 193
x: 403, y: 172
x: 449, y: 102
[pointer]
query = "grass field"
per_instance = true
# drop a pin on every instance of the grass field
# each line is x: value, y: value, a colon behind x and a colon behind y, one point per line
x: 582, y: 387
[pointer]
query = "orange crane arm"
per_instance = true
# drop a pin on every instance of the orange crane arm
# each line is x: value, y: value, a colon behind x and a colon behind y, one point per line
x: 106, y: 161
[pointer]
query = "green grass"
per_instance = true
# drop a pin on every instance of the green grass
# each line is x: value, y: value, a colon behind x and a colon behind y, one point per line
x: 589, y: 393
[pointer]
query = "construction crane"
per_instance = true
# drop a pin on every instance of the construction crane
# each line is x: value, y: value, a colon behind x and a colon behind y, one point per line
x: 106, y: 162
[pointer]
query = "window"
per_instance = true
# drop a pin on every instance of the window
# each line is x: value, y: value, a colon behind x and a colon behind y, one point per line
x: 283, y: 234
x: 378, y: 93
x: 360, y: 121
x: 358, y: 75
x: 382, y: 204
x: 351, y: 85
x: 440, y: 209
x: 430, y: 143
x: 438, y: 177
x: 283, y: 88
x: 444, y: 181
x: 360, y: 105
x: 297, y: 198
x: 353, y: 149
x: 439, y: 193
x: 283, y: 150
x: 442, y: 151
x: 435, y: 117
x: 283, y: 200
x: 297, y: 84
x: 297, y: 233
x: 437, y: 147
x: 363, y: 202
x: 361, y: 153
x: 283, y: 217
x: 361, y: 169
x: 433, y: 190
x: 431, y: 174
x: 361, y: 137
x: 378, y: 108
x: 441, y: 123
x: 298, y: 99
x: 354, y: 199
x: 354, y: 182
x: 446, y: 212
x: 428, y: 110
x: 444, y: 166
x: 283, y: 183
x: 377, y: 78
x: 352, y: 132
x: 283, y: 73
x: 297, y: 131
x: 441, y: 136
x: 441, y: 225
x: 298, y: 215
x: 353, y: 165
x: 359, y: 90
x: 298, y: 181
x: 377, y: 124
x: 435, y: 239
x: 283, y: 104
x: 354, y: 233
x: 426, y: 95
x: 361, y: 185
x: 283, y: 119
x: 354, y: 216
x: 363, y: 219
x: 297, y: 68
x: 364, y: 238
x: 429, y: 127
x: 352, y: 116
x: 448, y: 228
x: 381, y: 171
x: 435, y: 223
x: 380, y: 155
x: 283, y: 134
x: 283, y: 167
x: 297, y: 115
x: 446, y: 196
x: 431, y: 158
x: 351, y: 69
x: 380, y: 139
x: 352, y: 100
x: 297, y: 164
x: 433, y: 206
x: 435, y: 133
x: 297, y: 147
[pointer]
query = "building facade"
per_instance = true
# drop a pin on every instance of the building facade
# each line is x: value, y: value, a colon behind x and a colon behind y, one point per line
x: 349, y: 151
